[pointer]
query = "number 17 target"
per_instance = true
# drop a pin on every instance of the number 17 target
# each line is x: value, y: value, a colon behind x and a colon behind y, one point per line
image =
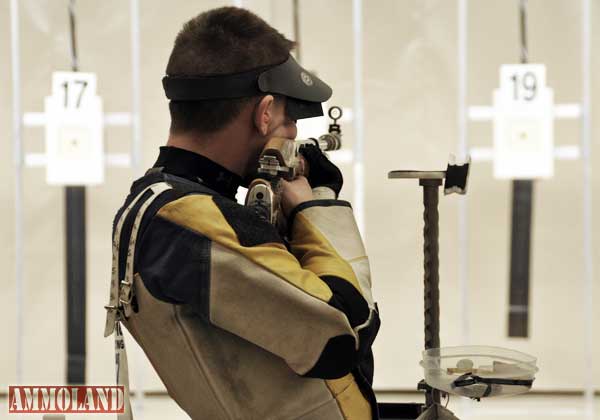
x: 74, y: 131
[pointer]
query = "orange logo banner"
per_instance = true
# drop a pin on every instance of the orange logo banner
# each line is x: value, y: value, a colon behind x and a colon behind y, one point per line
x: 66, y: 399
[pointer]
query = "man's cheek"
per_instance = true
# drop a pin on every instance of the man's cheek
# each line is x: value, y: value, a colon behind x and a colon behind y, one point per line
x: 293, y: 131
x: 287, y: 131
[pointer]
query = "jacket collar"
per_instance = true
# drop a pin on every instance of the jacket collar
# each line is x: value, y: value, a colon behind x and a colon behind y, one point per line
x: 198, y: 168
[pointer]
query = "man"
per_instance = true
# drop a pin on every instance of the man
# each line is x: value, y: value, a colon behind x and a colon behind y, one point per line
x: 239, y: 322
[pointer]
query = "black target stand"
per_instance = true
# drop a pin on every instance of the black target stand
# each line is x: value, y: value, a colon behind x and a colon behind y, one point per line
x: 75, y: 224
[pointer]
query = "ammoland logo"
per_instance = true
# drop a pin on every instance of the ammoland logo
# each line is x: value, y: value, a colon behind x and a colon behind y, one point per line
x: 66, y: 399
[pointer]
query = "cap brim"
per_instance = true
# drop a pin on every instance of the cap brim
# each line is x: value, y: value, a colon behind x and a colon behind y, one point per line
x: 297, y: 109
x: 292, y: 80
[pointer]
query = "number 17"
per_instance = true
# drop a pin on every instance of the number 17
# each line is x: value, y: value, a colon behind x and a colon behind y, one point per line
x: 83, y: 84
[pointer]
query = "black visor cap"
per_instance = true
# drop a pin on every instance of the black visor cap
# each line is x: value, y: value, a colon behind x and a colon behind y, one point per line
x: 305, y: 92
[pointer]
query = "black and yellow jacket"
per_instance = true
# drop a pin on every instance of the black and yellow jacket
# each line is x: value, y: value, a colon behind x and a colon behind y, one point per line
x: 238, y: 323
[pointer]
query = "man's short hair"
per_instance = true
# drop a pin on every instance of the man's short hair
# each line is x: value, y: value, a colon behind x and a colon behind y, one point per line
x: 220, y: 41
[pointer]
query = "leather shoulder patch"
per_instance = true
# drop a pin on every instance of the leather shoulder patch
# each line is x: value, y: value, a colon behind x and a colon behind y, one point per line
x: 250, y: 229
x: 174, y: 263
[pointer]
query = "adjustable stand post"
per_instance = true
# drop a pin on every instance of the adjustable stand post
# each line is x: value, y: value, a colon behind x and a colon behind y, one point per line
x: 432, y: 277
x: 455, y: 177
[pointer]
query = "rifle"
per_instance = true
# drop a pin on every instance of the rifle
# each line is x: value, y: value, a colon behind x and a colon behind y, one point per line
x: 281, y: 159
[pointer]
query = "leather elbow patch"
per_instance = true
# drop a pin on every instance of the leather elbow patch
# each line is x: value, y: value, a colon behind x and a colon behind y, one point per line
x: 348, y: 300
x: 337, y: 359
x: 340, y: 357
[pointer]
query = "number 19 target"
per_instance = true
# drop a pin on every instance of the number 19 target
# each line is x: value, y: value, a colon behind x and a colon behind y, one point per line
x: 523, y: 123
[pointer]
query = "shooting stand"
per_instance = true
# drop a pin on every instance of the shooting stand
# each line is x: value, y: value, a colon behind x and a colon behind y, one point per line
x: 455, y: 182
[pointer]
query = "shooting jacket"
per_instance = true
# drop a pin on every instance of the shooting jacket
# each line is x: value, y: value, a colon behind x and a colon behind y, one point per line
x: 238, y: 322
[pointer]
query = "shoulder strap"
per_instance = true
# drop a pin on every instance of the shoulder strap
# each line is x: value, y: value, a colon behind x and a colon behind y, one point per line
x: 120, y: 296
x: 114, y: 306
x: 125, y: 286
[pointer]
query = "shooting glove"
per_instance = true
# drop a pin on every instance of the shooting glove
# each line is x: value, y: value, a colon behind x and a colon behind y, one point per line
x: 321, y: 171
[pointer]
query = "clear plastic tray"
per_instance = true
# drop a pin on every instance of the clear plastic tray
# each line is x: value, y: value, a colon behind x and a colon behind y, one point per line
x: 479, y: 371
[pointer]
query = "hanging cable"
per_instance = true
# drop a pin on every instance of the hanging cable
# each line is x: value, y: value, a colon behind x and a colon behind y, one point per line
x: 72, y: 28
x: 296, y: 11
x: 523, y: 28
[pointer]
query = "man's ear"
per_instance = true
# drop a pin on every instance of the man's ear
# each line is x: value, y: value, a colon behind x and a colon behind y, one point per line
x: 263, y: 114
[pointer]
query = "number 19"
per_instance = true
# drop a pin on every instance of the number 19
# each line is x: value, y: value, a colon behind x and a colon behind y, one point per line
x: 527, y: 88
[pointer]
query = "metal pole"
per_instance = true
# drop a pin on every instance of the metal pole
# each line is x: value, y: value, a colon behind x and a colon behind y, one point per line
x: 463, y: 151
x: 136, y: 126
x: 358, y: 150
x: 431, y: 268
x: 18, y: 162
x: 588, y: 261
x: 463, y: 205
x: 136, y: 152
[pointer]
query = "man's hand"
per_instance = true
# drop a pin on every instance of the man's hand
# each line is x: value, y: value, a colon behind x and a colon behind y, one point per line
x: 294, y: 193
x: 321, y: 171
